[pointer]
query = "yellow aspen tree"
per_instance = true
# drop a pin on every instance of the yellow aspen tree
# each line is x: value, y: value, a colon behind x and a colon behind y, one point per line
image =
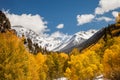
x: 15, y: 62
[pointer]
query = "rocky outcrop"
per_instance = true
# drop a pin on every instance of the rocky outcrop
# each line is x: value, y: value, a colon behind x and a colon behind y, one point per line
x: 4, y: 23
x: 118, y: 18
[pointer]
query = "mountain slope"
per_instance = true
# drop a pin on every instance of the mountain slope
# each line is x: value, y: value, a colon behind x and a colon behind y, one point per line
x: 76, y: 40
x: 52, y: 42
x: 40, y: 39
x: 112, y: 30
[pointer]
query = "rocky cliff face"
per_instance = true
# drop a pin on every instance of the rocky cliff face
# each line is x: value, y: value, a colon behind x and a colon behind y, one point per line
x: 4, y: 23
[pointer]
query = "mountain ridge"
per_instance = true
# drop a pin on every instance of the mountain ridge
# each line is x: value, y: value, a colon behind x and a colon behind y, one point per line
x: 111, y: 30
x: 54, y: 43
x: 80, y: 40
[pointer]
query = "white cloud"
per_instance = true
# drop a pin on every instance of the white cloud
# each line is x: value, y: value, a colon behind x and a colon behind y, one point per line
x: 107, y: 5
x: 107, y: 19
x: 34, y: 22
x: 115, y: 13
x: 85, y: 18
x: 60, y: 26
x: 103, y: 7
x: 60, y: 35
x: 57, y: 34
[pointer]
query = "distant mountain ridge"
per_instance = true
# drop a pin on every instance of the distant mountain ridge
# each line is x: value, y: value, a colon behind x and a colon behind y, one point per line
x: 111, y: 30
x: 54, y: 43
x: 76, y: 40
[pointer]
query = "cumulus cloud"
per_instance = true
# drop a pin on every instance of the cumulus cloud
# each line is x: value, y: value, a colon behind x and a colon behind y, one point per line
x: 34, y: 22
x: 60, y: 35
x: 107, y: 5
x: 85, y: 18
x: 107, y: 19
x: 103, y: 7
x: 60, y: 26
x: 57, y: 34
x: 115, y: 13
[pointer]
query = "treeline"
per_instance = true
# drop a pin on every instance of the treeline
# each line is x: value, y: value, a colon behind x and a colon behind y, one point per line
x: 16, y: 63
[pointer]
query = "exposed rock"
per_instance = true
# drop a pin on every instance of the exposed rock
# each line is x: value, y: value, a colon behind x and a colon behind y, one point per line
x: 4, y: 23
x: 118, y: 18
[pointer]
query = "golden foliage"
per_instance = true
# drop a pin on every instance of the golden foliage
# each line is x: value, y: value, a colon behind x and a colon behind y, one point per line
x: 112, y: 60
x: 42, y: 67
x: 15, y: 61
x: 84, y: 66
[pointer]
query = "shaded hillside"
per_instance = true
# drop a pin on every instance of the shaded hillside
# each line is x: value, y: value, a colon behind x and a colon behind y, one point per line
x: 112, y: 30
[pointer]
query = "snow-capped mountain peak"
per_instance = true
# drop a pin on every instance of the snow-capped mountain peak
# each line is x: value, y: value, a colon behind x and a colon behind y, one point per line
x: 56, y: 41
x: 86, y: 34
x: 76, y: 39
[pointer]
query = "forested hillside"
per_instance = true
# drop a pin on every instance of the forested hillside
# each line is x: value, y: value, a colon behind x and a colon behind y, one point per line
x: 17, y: 63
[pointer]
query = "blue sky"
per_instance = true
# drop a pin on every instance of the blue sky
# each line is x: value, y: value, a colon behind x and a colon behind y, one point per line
x: 66, y: 16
